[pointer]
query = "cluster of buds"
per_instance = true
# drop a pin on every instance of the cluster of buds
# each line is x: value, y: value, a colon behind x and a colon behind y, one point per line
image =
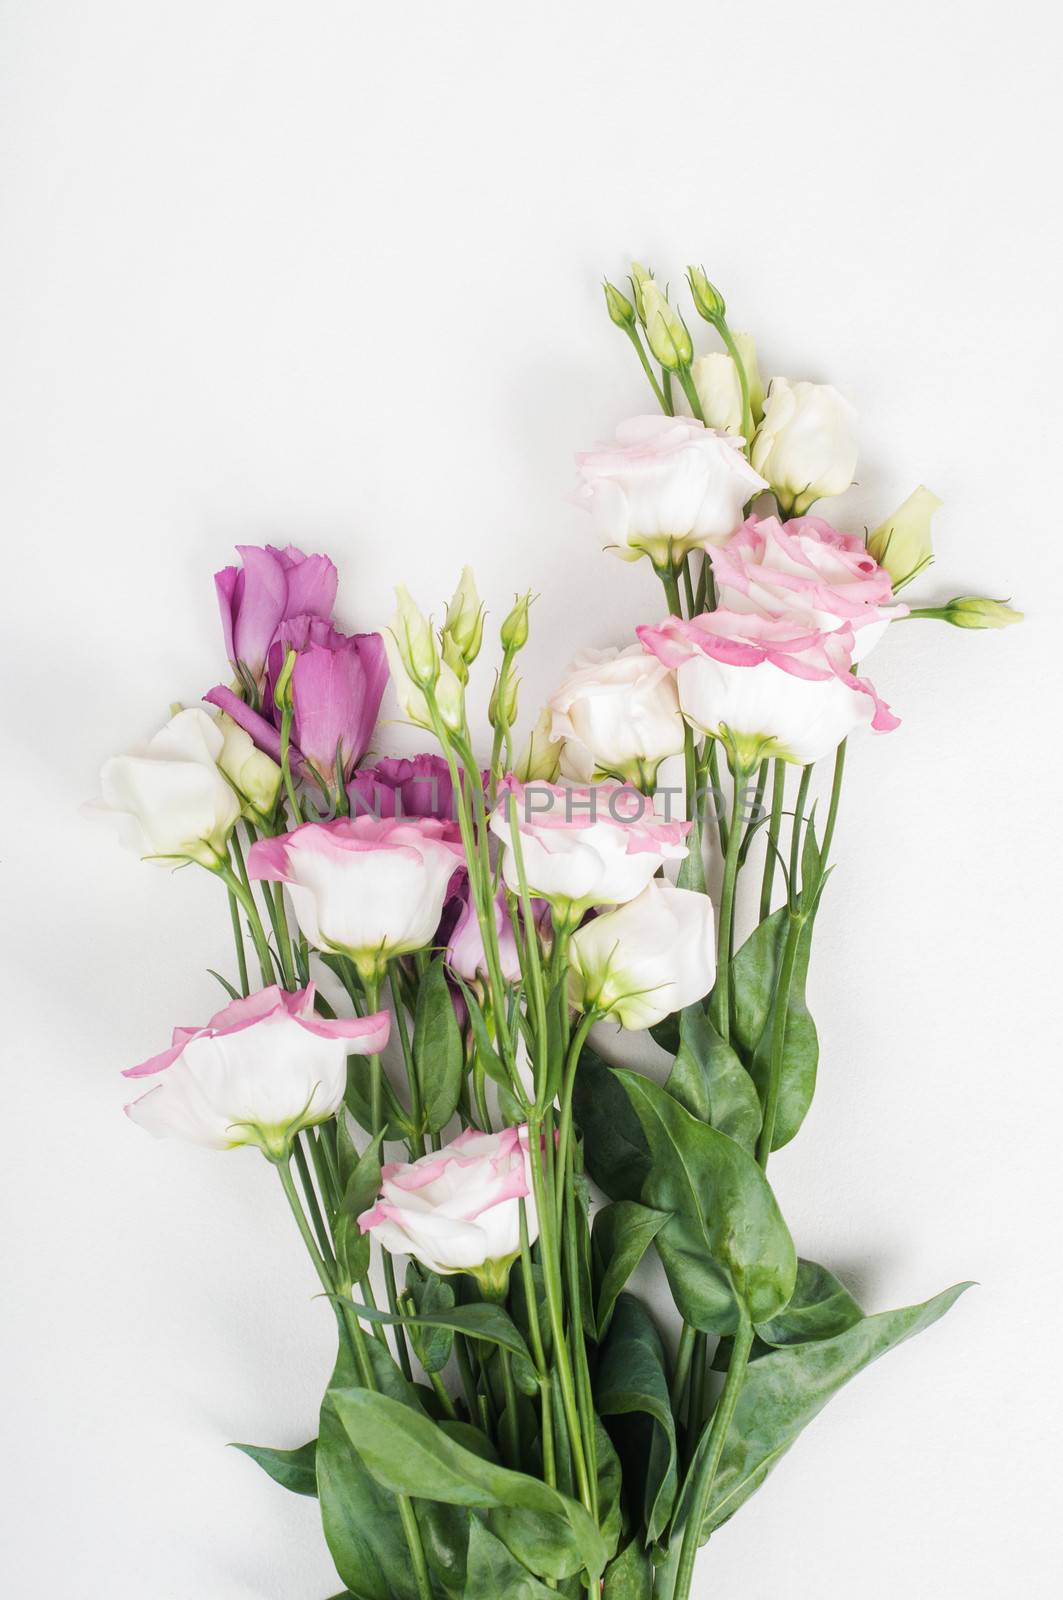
x: 502, y: 711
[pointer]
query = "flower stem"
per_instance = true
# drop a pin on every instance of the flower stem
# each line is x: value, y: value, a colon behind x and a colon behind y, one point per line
x: 773, y: 1087
x: 633, y: 335
x: 238, y: 937
x: 835, y: 796
x: 727, y: 894
x: 687, y: 384
x: 778, y: 790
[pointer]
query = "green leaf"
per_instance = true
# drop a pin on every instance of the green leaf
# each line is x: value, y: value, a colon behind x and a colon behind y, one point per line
x: 620, y: 1237
x: 489, y: 1057
x: 726, y: 1240
x: 784, y: 1390
x: 495, y: 1574
x: 363, y: 1186
x: 477, y: 1321
x: 820, y: 1308
x: 432, y: 1296
x: 408, y: 1454
x: 437, y: 1049
x: 292, y: 1469
x: 234, y: 994
x: 610, y: 1483
x: 615, y: 1148
x: 358, y: 1102
x: 632, y: 1384
x: 709, y: 1079
x: 470, y: 1438
x: 755, y: 975
x: 630, y: 1576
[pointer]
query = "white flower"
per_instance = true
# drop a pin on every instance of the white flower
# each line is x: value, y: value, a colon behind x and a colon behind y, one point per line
x: 617, y: 712
x: 458, y: 1209
x: 806, y: 444
x: 719, y: 390
x: 371, y: 887
x: 645, y: 960
x: 252, y: 773
x: 667, y: 486
x: 174, y: 801
x: 583, y: 847
x: 260, y: 1070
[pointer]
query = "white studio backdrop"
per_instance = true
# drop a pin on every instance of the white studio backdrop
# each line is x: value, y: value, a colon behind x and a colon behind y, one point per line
x: 328, y: 273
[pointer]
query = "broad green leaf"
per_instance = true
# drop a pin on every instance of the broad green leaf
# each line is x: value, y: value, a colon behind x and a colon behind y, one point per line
x: 431, y: 1295
x: 632, y: 1385
x: 726, y: 1240
x: 630, y: 1576
x: 620, y: 1237
x: 754, y: 977
x: 784, y: 1390
x: 362, y: 1188
x: 490, y: 1060
x: 710, y: 1081
x: 495, y: 1574
x: 408, y: 1454
x: 292, y: 1469
x: 820, y: 1308
x: 610, y: 1483
x: 357, y: 1098
x: 614, y: 1144
x: 477, y: 1321
x: 469, y: 1438
x: 437, y: 1049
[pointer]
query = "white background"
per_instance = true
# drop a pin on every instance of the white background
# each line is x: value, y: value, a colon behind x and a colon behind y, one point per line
x: 328, y: 273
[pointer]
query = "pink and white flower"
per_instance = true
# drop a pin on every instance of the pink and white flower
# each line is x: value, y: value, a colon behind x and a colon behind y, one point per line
x: 617, y: 713
x: 458, y: 1209
x: 369, y: 887
x: 806, y: 570
x: 767, y: 686
x: 261, y: 1069
x: 583, y: 847
x: 667, y: 486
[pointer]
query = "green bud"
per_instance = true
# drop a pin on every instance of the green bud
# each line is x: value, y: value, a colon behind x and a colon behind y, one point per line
x: 514, y: 632
x: 540, y: 760
x: 973, y: 611
x: 666, y: 332
x: 619, y: 307
x: 707, y: 298
x: 254, y: 776
x: 502, y: 710
x: 450, y: 699
x: 902, y: 544
x: 282, y: 689
x: 640, y: 277
x: 465, y: 619
x: 414, y: 641
x: 453, y: 658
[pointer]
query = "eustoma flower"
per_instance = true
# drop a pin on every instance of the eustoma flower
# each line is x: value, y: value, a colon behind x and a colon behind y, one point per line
x: 172, y: 796
x: 367, y: 888
x: 336, y: 687
x: 806, y: 443
x: 719, y: 388
x: 458, y: 1210
x: 617, y: 714
x: 809, y: 572
x: 270, y: 587
x: 465, y: 948
x: 416, y: 786
x: 646, y: 959
x: 258, y: 1072
x: 583, y: 847
x: 767, y: 686
x: 667, y: 486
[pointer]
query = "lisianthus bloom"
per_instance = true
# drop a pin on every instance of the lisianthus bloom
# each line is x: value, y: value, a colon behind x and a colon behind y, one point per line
x: 366, y: 887
x: 336, y: 688
x: 806, y: 443
x: 458, y: 1209
x: 667, y: 486
x: 617, y: 714
x: 465, y: 947
x: 583, y: 847
x: 646, y: 959
x: 903, y: 543
x: 269, y: 588
x: 418, y: 786
x: 258, y: 1072
x: 254, y: 775
x: 719, y: 388
x: 809, y: 572
x: 173, y: 799
x: 767, y: 686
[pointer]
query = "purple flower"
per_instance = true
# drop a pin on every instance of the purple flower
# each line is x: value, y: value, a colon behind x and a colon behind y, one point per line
x: 417, y: 787
x: 337, y: 684
x: 272, y: 587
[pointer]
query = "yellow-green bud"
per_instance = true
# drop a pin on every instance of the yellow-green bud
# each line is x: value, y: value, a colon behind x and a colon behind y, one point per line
x: 973, y: 611
x: 666, y: 332
x: 707, y: 298
x: 620, y: 309
x: 453, y: 657
x: 502, y: 710
x: 282, y: 689
x: 465, y: 619
x: 640, y: 277
x: 450, y: 699
x: 254, y: 776
x: 540, y: 760
x: 902, y: 544
x: 514, y: 632
x: 414, y: 641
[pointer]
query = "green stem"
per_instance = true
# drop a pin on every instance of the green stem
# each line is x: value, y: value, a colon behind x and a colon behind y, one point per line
x: 238, y: 937
x: 795, y: 832
x: 688, y: 387
x: 778, y: 790
x: 633, y: 335
x: 835, y: 796
x: 564, y: 1137
x: 707, y: 1469
x: 727, y: 895
x: 743, y: 382
x: 778, y: 1038
x: 510, y: 1430
x: 682, y: 1366
x: 241, y: 890
x: 320, y: 1230
x: 416, y: 1106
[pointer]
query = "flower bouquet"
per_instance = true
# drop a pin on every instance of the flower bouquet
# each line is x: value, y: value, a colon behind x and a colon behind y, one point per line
x: 433, y: 960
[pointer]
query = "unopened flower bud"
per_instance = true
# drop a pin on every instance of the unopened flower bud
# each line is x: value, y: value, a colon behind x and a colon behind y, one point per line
x: 666, y: 333
x: 707, y: 298
x: 902, y: 543
x: 502, y: 710
x: 282, y: 689
x: 453, y: 657
x: 465, y: 618
x: 640, y: 277
x: 450, y: 699
x: 514, y: 632
x: 540, y: 760
x: 973, y: 611
x: 620, y: 309
x: 414, y: 641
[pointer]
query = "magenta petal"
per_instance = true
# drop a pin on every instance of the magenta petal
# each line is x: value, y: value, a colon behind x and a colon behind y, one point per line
x: 369, y: 1033
x: 228, y: 583
x: 312, y: 583
x: 336, y: 696
x: 262, y: 732
x: 159, y: 1063
x: 268, y: 859
x: 262, y: 605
